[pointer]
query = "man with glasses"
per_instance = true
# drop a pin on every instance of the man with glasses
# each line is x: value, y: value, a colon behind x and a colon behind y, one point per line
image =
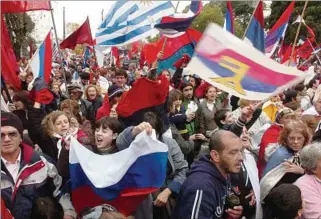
x: 25, y: 173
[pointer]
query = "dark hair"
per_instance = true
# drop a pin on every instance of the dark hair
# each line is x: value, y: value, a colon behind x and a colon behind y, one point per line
x: 299, y: 87
x: 311, y: 82
x: 216, y: 141
x: 186, y: 84
x: 22, y: 96
x: 121, y: 72
x: 47, y: 208
x: 113, y: 69
x: 68, y: 76
x: 154, y: 121
x: 220, y: 115
x: 289, y: 95
x: 109, y: 122
x: 283, y: 202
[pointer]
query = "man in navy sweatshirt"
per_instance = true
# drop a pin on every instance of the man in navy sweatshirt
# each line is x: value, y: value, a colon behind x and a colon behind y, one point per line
x: 203, y: 194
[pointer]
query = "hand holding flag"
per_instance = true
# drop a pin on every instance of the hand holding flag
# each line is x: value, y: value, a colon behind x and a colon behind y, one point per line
x: 125, y: 180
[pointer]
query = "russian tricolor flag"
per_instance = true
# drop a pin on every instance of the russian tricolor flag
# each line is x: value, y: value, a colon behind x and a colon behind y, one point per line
x: 277, y: 32
x: 229, y: 18
x: 41, y: 62
x: 123, y: 179
x: 255, y: 32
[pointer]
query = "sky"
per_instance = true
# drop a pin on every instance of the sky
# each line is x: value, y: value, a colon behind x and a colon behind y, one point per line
x: 76, y: 12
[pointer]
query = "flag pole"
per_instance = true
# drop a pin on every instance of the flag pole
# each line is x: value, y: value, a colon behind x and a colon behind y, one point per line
x: 102, y: 14
x: 176, y: 7
x: 298, y: 31
x: 252, y: 16
x: 59, y: 51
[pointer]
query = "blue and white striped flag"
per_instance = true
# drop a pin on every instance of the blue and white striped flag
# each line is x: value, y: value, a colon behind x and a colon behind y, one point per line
x: 129, y: 21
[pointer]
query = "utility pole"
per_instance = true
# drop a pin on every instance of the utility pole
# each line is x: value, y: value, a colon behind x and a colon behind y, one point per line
x: 64, y: 22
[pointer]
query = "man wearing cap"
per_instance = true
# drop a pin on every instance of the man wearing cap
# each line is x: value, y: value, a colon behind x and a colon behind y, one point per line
x: 25, y: 173
x: 86, y: 107
x: 271, y: 135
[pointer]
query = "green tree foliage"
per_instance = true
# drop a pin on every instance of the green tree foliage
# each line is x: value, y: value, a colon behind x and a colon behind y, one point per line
x: 214, y: 12
x: 242, y: 11
x: 312, y: 18
x: 20, y: 27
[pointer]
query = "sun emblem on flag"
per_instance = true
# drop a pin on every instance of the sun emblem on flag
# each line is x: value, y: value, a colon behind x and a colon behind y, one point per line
x: 240, y: 69
x: 146, y: 2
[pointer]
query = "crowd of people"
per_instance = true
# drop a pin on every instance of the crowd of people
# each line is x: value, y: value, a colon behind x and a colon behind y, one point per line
x: 227, y: 157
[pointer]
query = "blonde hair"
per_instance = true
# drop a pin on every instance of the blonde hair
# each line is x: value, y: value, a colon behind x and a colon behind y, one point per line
x: 97, y: 88
x: 48, y: 123
x: 243, y: 103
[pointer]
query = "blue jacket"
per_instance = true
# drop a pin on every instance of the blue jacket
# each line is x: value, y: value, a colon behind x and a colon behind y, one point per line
x: 203, y: 194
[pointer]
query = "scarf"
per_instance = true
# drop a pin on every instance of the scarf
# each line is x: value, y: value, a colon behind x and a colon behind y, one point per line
x: 72, y: 132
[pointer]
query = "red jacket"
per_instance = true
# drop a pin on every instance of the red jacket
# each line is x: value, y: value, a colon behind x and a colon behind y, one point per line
x: 104, y: 110
x: 271, y: 135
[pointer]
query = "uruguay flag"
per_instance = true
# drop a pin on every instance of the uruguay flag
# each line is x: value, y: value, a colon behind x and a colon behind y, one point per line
x: 41, y: 62
x: 130, y: 21
x: 235, y: 67
x: 172, y: 26
x: 255, y: 32
x: 123, y: 179
x: 277, y: 32
x: 229, y: 18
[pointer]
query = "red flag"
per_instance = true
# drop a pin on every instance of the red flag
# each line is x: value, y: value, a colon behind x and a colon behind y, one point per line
x: 115, y: 53
x: 305, y: 50
x: 311, y: 34
x: 81, y: 36
x: 152, y: 49
x: 9, y: 65
x: 145, y: 95
x: 142, y: 59
x: 172, y: 45
x: 23, y: 6
x: 135, y: 47
x: 287, y: 54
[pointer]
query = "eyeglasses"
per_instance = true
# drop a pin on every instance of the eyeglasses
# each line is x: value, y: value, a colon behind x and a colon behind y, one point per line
x: 11, y: 135
x: 295, y: 138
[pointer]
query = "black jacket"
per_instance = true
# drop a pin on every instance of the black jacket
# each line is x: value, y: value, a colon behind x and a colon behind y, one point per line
x: 47, y: 144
